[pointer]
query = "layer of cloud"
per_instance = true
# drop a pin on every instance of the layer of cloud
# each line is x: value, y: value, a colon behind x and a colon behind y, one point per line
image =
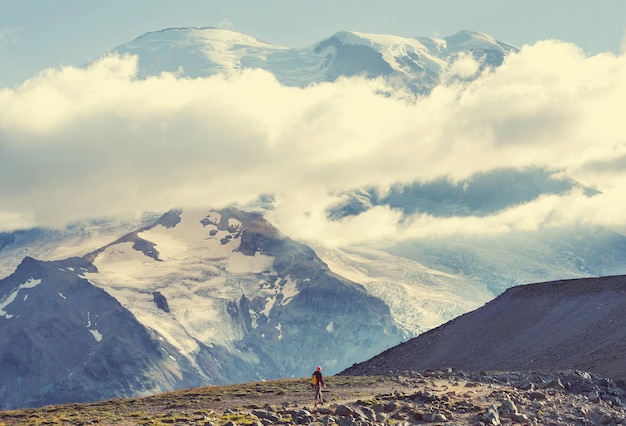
x: 78, y: 143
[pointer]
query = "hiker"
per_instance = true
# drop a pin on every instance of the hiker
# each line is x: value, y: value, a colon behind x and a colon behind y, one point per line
x: 317, y: 381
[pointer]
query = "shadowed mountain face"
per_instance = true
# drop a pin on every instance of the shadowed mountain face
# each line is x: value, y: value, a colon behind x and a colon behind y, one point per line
x: 65, y: 340
x: 577, y: 324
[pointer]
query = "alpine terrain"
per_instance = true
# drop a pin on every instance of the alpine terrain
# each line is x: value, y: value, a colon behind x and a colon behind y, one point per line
x: 192, y: 299
x: 120, y: 307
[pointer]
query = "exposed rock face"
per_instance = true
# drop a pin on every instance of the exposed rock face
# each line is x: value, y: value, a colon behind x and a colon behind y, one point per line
x: 65, y: 340
x: 161, y: 301
x: 577, y: 324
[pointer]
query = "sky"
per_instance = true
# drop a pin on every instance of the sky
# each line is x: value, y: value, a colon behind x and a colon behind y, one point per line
x: 78, y: 142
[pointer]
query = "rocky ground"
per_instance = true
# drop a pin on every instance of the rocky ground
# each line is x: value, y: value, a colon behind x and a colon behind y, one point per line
x: 444, y: 397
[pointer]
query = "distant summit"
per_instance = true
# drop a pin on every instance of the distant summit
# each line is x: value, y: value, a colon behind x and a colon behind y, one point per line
x: 418, y: 63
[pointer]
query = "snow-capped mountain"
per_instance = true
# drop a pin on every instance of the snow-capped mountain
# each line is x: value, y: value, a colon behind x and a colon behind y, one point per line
x: 417, y: 63
x: 194, y: 298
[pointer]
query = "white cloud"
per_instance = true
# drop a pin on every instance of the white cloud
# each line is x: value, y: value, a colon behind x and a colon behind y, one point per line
x: 76, y: 143
x: 464, y: 66
x: 226, y: 24
x: 8, y: 35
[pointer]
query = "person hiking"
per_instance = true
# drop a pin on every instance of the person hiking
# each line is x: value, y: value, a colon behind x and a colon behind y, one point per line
x: 317, y: 382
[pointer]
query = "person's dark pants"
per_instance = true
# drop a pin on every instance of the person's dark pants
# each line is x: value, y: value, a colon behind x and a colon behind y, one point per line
x: 318, y: 394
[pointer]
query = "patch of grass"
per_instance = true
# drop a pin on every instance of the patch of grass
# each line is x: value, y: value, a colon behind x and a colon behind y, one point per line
x: 238, y: 418
x: 195, y: 406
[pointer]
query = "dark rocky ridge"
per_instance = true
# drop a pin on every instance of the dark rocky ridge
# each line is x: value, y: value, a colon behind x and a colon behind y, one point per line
x: 571, y: 324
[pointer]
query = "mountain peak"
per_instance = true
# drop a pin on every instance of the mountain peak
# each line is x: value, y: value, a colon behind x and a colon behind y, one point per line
x: 205, y: 51
x: 199, y: 34
x: 356, y: 38
x: 467, y: 40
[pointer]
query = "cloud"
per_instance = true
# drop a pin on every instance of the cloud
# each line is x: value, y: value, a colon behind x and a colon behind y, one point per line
x: 85, y: 142
x: 8, y: 35
x: 464, y: 66
x: 226, y: 24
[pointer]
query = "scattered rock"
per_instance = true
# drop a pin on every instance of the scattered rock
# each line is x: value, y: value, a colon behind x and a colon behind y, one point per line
x: 442, y: 397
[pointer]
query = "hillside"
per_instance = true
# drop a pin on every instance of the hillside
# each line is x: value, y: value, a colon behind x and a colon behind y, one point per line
x: 577, y: 324
x: 441, y: 397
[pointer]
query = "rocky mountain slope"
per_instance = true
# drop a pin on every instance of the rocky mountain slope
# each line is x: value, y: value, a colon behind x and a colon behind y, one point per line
x: 569, y: 324
x: 192, y: 299
x: 64, y: 339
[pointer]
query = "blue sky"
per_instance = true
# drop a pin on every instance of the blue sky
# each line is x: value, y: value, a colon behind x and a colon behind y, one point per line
x: 37, y: 34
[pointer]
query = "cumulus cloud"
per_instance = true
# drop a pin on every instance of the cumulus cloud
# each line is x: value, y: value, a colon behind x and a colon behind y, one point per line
x: 85, y: 142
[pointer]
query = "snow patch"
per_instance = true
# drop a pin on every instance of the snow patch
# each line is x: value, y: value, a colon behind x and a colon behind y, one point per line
x: 96, y: 335
x: 289, y: 291
x: 11, y: 297
x: 242, y: 264
x: 269, y: 304
x: 279, y: 327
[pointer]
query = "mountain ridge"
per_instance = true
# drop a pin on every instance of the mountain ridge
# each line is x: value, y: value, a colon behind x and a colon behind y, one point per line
x: 565, y: 324
x: 418, y: 63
